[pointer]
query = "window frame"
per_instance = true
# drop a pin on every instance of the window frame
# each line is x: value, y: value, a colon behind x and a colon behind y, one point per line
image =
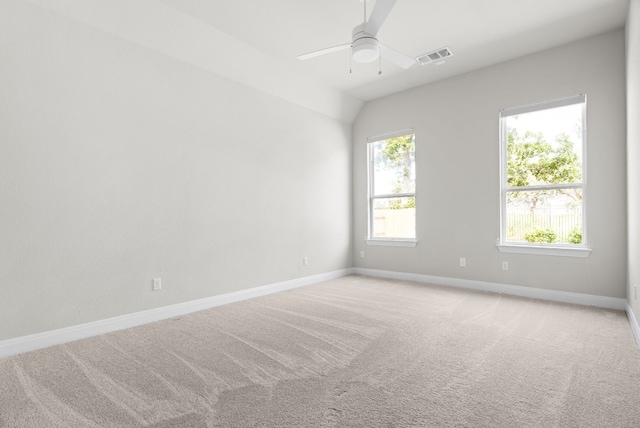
x: 371, y: 197
x: 553, y: 249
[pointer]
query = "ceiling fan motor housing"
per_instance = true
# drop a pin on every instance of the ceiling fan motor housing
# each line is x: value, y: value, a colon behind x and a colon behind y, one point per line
x: 365, y: 47
x: 364, y: 44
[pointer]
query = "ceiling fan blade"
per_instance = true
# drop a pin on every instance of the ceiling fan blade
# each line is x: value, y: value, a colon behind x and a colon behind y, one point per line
x: 396, y: 57
x: 380, y: 12
x: 323, y: 51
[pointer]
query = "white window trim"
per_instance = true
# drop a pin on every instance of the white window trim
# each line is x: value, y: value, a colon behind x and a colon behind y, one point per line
x: 386, y: 242
x: 540, y: 248
x: 380, y: 137
x: 544, y: 105
x: 392, y: 242
x: 545, y: 250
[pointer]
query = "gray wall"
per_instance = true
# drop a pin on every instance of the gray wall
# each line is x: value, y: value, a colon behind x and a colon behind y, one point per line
x: 633, y: 150
x: 119, y: 164
x: 456, y: 123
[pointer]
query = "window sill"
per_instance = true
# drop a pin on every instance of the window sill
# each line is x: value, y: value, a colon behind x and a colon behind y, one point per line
x: 544, y: 250
x: 391, y: 242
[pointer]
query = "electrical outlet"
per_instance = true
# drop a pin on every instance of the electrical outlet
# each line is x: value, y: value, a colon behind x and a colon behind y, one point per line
x: 362, y: 254
x: 463, y: 262
x: 157, y: 284
x: 505, y: 265
x: 305, y: 261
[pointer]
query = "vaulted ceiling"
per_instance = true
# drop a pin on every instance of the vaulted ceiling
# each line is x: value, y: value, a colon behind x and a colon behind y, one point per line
x: 257, y: 42
x: 479, y: 33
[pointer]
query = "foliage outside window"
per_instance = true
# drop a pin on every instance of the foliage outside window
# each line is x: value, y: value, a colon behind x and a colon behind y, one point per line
x: 392, y: 187
x: 543, y: 174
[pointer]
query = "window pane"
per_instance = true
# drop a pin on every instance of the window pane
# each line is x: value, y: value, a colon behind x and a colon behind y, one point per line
x: 545, y: 147
x: 394, y: 166
x: 545, y: 216
x: 394, y: 218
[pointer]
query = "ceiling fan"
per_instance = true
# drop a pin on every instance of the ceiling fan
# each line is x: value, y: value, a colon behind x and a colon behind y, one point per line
x: 364, y: 45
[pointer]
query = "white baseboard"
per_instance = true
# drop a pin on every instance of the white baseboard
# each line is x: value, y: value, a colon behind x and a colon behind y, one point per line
x: 634, y: 324
x: 46, y: 339
x: 69, y: 334
x: 514, y: 290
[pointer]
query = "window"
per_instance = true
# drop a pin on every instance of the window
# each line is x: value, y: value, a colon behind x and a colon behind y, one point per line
x: 543, y: 177
x: 392, y: 189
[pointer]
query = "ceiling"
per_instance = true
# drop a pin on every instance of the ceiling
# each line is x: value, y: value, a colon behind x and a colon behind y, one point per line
x: 257, y: 42
x: 479, y: 33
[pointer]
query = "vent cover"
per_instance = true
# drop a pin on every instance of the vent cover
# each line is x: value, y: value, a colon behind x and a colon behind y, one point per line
x: 436, y: 55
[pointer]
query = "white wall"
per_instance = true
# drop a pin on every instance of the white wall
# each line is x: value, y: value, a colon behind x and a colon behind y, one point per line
x: 119, y: 164
x: 456, y: 124
x: 633, y: 150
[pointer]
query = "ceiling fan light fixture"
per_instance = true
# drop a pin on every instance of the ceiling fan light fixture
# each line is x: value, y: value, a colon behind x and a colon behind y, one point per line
x: 366, y: 49
x: 364, y: 45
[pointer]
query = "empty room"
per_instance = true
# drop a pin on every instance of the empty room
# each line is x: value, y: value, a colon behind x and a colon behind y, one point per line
x: 338, y: 213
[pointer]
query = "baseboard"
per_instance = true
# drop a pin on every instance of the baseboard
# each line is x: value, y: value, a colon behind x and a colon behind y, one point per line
x: 634, y: 324
x: 70, y: 334
x: 514, y: 290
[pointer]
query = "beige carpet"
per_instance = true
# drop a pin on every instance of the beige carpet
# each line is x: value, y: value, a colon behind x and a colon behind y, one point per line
x: 354, y: 352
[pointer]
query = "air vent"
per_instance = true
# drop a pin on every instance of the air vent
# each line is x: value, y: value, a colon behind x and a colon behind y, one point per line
x: 437, y: 55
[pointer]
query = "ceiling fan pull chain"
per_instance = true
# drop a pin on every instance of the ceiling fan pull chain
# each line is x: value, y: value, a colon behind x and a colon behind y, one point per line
x: 379, y: 61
